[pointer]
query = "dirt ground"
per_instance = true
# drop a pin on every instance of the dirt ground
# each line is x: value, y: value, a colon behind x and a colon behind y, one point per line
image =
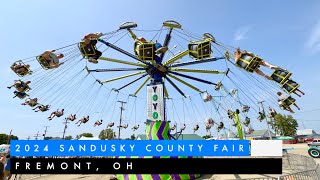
x: 300, y: 149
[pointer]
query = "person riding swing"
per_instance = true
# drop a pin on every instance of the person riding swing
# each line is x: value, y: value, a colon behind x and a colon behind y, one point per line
x: 88, y: 47
x: 50, y: 60
x: 42, y: 108
x: 98, y: 123
x: 238, y: 55
x: 31, y: 102
x: 56, y: 113
x: 83, y: 120
x: 20, y: 85
x: 72, y: 117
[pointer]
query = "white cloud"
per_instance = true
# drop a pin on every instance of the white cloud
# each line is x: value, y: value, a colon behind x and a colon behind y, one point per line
x: 313, y: 42
x: 241, y: 33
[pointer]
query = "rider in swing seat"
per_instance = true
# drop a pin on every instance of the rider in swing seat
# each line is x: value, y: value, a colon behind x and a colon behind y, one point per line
x: 50, y: 60
x: 292, y: 87
x: 220, y: 126
x: 238, y: 54
x: 196, y: 128
x: 72, y: 117
x: 285, y: 102
x: 21, y: 69
x: 31, y: 102
x: 98, y: 123
x: 20, y: 95
x: 20, y: 85
x: 83, y: 120
x: 88, y: 47
x: 56, y: 113
x: 42, y: 108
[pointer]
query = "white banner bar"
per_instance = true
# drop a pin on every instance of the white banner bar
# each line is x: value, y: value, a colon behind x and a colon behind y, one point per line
x: 266, y: 148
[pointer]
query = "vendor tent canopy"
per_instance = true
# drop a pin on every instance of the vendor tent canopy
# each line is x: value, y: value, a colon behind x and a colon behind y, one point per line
x: 285, y: 138
x: 89, y: 138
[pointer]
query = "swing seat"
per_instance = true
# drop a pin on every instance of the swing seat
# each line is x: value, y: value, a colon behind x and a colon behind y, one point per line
x: 21, y: 74
x: 21, y: 95
x: 145, y: 51
x: 281, y: 75
x: 200, y: 49
x: 25, y: 87
x: 43, y: 62
x: 88, y: 50
x: 249, y: 62
x: 290, y: 86
x: 33, y: 105
x: 288, y: 102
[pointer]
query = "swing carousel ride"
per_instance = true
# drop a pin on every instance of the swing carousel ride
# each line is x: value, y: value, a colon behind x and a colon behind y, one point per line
x: 83, y: 82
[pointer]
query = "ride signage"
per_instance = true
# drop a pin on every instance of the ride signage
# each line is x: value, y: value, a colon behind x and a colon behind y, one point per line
x: 155, y: 102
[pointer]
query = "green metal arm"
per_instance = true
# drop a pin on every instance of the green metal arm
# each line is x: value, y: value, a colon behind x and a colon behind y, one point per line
x: 123, y: 62
x: 141, y: 86
x: 177, y: 57
x: 239, y: 126
x: 122, y: 77
x: 166, y: 92
x: 134, y: 37
x: 185, y: 83
x: 197, y: 71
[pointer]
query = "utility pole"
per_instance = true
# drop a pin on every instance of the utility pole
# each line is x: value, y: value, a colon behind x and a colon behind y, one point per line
x: 36, y: 135
x: 261, y: 103
x: 9, y: 136
x: 65, y: 127
x: 121, y: 109
x: 45, y: 132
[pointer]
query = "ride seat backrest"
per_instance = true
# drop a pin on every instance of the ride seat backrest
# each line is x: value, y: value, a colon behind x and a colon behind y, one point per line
x: 21, y: 95
x: 200, y: 49
x: 249, y: 62
x: 288, y: 101
x: 43, y: 62
x: 146, y: 51
x: 23, y: 73
x: 280, y: 75
x: 89, y: 49
x: 290, y: 86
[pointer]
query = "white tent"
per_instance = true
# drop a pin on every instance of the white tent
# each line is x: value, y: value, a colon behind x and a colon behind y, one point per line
x: 89, y: 138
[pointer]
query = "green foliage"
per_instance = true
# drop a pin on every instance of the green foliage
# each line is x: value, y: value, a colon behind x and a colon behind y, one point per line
x: 133, y: 137
x: 47, y: 138
x: 84, y: 135
x: 107, y: 134
x: 4, y: 138
x: 206, y: 136
x: 68, y: 137
x: 284, y: 125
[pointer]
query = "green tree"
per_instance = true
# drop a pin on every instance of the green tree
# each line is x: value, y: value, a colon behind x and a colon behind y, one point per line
x: 284, y: 125
x: 133, y: 137
x: 47, y: 138
x: 102, y: 134
x: 107, y: 134
x: 4, y: 138
x: 206, y: 136
x: 68, y: 138
x: 84, y: 135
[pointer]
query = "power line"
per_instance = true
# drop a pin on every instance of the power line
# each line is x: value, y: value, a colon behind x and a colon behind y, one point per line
x: 308, y: 111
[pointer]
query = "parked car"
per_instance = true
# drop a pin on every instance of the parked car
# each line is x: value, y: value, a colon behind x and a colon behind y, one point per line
x: 315, y: 142
x: 308, y: 140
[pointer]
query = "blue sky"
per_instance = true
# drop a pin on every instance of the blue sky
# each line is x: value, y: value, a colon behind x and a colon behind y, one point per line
x: 286, y: 33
